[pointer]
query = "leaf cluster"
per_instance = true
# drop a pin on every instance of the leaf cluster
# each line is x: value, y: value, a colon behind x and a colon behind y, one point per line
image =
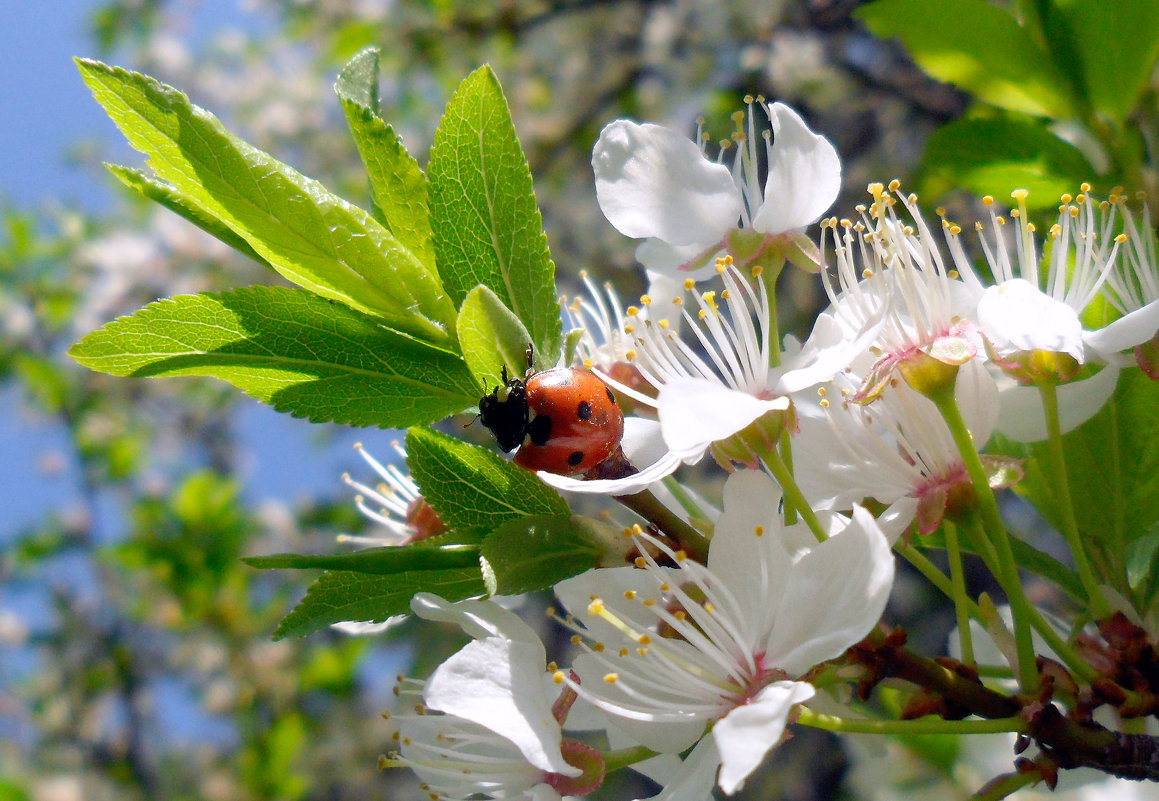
x: 398, y: 315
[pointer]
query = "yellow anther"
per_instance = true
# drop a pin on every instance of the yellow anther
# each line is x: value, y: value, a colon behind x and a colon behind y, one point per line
x: 640, y: 562
x: 894, y: 185
x: 680, y: 615
x: 632, y: 311
x: 1019, y: 194
x: 1121, y: 238
x: 1084, y: 187
x: 987, y: 200
x: 645, y: 300
x: 576, y: 639
x: 630, y: 594
x: 596, y: 607
x: 557, y: 677
x: 759, y: 531
x: 680, y: 556
x: 644, y: 639
x: 611, y: 678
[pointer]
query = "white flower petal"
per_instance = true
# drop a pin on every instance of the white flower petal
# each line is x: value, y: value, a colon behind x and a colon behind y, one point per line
x: 836, y: 341
x: 660, y: 257
x: 1126, y: 332
x: 977, y: 394
x: 897, y: 518
x: 755, y: 566
x: 694, y: 413
x: 476, y: 618
x: 364, y: 628
x: 696, y: 776
x: 804, y: 175
x: 1016, y: 316
x: 842, y: 586
x: 629, y: 485
x: 665, y: 731
x: 544, y: 792
x: 1021, y: 418
x: 496, y: 683
x: 654, y: 182
x: 746, y: 734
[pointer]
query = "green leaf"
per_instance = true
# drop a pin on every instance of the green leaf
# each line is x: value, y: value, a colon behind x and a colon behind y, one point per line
x: 472, y: 487
x: 1143, y: 569
x: 487, y: 227
x: 1112, y: 463
x: 977, y: 46
x: 291, y: 349
x: 336, y: 597
x: 182, y: 204
x: 997, y: 156
x: 310, y: 236
x: 380, y: 561
x: 491, y: 337
x: 1028, y: 558
x: 1112, y: 45
x: 536, y: 552
x: 397, y: 184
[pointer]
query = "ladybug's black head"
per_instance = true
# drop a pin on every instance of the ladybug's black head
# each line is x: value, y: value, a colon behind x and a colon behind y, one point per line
x: 504, y: 411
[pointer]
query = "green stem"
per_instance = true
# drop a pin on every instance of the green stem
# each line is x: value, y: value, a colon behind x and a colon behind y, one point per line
x: 1007, y: 574
x: 1070, y: 528
x: 624, y: 757
x: 1006, y: 785
x: 935, y: 576
x: 972, y: 525
x: 786, y: 450
x: 817, y: 720
x: 961, y: 598
x: 648, y: 506
x: 793, y: 494
x: 682, y: 496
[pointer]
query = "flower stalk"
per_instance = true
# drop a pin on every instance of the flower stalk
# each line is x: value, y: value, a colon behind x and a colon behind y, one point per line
x: 1048, y: 390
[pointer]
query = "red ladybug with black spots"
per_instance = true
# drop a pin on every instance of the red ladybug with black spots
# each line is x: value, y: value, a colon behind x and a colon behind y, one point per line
x: 564, y: 420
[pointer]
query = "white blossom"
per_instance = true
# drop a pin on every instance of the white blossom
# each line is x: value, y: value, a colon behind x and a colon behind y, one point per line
x: 681, y: 648
x: 652, y: 183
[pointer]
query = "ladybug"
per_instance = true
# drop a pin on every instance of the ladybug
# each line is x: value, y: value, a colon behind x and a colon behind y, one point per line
x: 563, y: 420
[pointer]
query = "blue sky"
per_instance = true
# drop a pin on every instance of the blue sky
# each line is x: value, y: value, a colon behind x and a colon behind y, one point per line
x: 47, y: 110
x: 46, y: 107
